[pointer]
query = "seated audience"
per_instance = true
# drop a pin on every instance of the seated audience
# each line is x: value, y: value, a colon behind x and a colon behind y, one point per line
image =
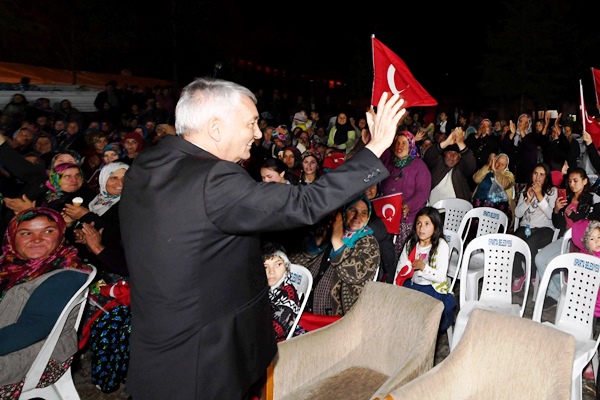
x: 285, y: 301
x: 98, y: 234
x: 408, y: 175
x: 495, y: 185
x: 580, y: 204
x: 450, y: 162
x: 39, y: 273
x: 534, y: 210
x: 423, y: 263
x: 342, y: 257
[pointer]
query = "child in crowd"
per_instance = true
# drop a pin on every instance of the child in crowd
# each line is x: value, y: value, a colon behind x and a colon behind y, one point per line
x: 425, y: 259
x: 285, y: 302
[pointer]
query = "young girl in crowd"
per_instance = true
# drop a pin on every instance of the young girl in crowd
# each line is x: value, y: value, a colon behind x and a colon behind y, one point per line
x: 425, y: 258
x: 285, y: 302
x: 579, y: 204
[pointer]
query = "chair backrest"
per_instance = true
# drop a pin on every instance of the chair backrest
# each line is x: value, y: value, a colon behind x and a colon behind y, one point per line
x: 302, y: 280
x: 576, y: 315
x: 454, y: 211
x: 566, y: 242
x: 41, y: 361
x: 489, y: 220
x: 499, y: 251
x: 495, y: 349
x: 456, y: 253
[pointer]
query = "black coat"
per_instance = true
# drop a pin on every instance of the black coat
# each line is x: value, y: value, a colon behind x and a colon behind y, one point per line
x: 190, y: 223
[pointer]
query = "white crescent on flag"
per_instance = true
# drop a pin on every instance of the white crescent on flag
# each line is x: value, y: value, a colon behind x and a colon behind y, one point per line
x: 391, y: 82
x: 388, y: 207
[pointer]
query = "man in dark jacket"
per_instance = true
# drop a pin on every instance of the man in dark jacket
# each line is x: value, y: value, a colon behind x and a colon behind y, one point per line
x: 451, y: 163
x: 190, y: 220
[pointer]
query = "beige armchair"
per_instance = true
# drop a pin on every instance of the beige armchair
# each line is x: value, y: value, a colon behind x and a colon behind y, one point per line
x: 499, y: 357
x: 387, y: 339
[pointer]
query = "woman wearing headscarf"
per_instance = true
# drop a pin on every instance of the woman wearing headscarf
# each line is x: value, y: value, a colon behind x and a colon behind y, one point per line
x: 410, y: 176
x: 342, y: 256
x: 65, y: 182
x: 520, y: 144
x: 495, y: 185
x: 342, y: 135
x: 39, y: 273
x: 134, y: 144
x: 103, y: 250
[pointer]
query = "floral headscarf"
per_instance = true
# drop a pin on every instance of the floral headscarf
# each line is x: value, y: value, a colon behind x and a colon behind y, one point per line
x: 412, y: 151
x: 54, y: 177
x: 350, y: 237
x: 281, y: 133
x: 103, y: 201
x: 15, y: 270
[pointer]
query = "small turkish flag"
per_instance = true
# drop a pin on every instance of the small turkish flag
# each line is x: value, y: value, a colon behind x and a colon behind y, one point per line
x: 392, y: 75
x: 590, y: 125
x: 389, y: 209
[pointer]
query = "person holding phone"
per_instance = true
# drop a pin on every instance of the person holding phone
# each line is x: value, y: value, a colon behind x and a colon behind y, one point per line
x: 534, y: 211
x: 580, y: 204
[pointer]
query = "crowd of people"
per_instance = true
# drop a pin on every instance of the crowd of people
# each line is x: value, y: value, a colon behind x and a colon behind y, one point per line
x: 321, y: 217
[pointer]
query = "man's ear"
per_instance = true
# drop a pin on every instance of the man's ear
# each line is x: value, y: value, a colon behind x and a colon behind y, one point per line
x: 214, y: 126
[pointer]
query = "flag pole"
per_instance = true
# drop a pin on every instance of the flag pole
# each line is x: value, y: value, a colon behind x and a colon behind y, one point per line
x: 582, y: 106
x: 373, y: 58
x: 594, y: 80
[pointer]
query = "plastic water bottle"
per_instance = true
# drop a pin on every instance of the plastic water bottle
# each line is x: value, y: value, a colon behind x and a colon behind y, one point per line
x: 527, y: 230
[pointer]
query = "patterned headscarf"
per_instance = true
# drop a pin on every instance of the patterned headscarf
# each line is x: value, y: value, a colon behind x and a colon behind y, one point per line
x: 118, y: 148
x: 412, y: 151
x: 350, y: 237
x: 15, y: 270
x: 281, y: 133
x: 103, y: 201
x: 54, y: 177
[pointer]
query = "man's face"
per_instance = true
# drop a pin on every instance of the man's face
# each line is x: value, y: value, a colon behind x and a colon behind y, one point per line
x: 238, y: 134
x: 451, y: 158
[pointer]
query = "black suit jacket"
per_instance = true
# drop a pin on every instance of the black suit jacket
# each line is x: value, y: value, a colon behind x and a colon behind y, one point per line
x: 190, y: 224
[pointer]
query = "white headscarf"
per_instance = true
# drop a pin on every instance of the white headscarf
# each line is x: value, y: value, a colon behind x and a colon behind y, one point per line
x: 103, y: 201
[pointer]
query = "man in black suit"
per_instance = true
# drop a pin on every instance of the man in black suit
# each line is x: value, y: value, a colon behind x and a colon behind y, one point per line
x: 190, y: 219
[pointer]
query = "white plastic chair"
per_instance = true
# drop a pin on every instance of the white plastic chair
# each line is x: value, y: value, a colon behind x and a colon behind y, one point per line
x: 456, y: 254
x: 577, y: 315
x: 489, y: 220
x: 498, y: 256
x: 455, y: 259
x: 64, y: 388
x: 536, y: 284
x: 302, y: 280
x: 454, y: 211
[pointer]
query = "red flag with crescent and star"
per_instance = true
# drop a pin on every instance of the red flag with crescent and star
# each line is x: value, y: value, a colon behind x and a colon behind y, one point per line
x: 392, y: 75
x: 389, y: 209
x: 590, y: 125
x: 596, y: 77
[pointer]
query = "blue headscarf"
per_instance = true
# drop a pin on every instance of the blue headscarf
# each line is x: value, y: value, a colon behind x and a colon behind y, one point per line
x: 350, y: 237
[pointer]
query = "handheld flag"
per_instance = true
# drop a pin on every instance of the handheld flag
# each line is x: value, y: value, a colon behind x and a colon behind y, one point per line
x: 590, y: 125
x: 596, y: 77
x: 392, y: 75
x: 389, y: 209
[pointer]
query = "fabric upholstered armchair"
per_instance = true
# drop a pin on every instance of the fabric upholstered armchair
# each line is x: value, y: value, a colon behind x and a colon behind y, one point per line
x: 499, y: 357
x: 387, y: 339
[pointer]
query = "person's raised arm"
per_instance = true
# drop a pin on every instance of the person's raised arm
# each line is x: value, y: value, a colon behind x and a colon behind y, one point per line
x: 384, y: 123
